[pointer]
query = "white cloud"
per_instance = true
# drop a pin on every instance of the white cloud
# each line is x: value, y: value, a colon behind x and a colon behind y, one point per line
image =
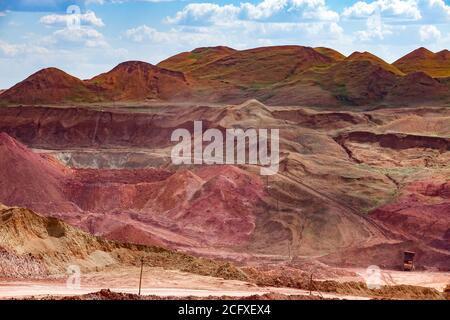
x: 146, y: 33
x: 181, y: 36
x: 83, y: 36
x: 204, y: 13
x: 248, y: 24
x: 89, y: 18
x: 420, y: 11
x: 376, y: 29
x: 405, y: 9
x: 429, y: 32
x: 10, y: 50
x: 434, y: 11
x: 266, y: 10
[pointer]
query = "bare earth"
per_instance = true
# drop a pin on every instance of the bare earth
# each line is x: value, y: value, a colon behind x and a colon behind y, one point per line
x: 165, y: 283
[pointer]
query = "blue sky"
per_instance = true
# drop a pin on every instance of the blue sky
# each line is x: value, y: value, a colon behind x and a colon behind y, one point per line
x: 87, y: 37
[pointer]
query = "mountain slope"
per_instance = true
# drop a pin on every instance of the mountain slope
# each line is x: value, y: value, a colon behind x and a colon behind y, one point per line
x: 335, y: 55
x: 422, y: 59
x: 357, y: 82
x: 261, y: 66
x: 417, y: 87
x: 135, y: 80
x: 48, y: 86
x: 129, y: 81
x: 188, y: 61
x: 278, y: 75
x: 38, y: 179
x: 367, y: 56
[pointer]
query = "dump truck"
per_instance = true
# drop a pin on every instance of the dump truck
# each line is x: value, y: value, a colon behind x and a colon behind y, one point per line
x: 408, y: 260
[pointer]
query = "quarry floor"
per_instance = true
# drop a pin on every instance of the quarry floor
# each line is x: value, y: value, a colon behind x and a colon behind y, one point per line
x: 167, y: 283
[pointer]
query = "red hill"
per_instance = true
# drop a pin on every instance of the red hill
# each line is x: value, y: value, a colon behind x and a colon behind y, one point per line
x: 367, y: 56
x: 262, y: 66
x: 434, y: 64
x: 418, y: 87
x: 278, y: 75
x: 48, y: 86
x: 188, y: 61
x: 331, y: 53
x: 356, y: 82
x: 135, y: 80
x: 37, y: 180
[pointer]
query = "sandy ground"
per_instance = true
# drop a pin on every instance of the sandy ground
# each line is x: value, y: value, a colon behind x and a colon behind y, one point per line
x: 157, y: 281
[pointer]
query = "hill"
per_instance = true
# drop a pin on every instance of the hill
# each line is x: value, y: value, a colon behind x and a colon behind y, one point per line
x: 138, y: 81
x: 335, y: 55
x: 49, y: 85
x: 129, y: 81
x: 277, y: 75
x: 367, y: 56
x: 422, y: 59
x: 188, y: 61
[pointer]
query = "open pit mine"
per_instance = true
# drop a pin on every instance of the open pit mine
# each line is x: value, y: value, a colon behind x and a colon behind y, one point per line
x: 87, y: 181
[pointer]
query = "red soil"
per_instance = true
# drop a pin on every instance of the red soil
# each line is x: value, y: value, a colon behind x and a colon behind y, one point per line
x: 367, y: 56
x: 188, y: 61
x: 331, y: 53
x: 135, y: 80
x: 422, y: 59
x: 280, y: 75
x: 49, y: 85
x: 421, y: 212
x: 128, y: 81
x: 212, y: 205
x: 418, y: 87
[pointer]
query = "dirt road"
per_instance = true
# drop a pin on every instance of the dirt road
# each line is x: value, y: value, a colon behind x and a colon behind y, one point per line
x: 156, y: 281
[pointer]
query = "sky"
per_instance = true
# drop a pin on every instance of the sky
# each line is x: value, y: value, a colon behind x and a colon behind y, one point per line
x: 88, y: 37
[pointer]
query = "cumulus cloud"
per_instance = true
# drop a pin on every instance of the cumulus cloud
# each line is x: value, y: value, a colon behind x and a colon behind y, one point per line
x: 204, y: 14
x: 10, y: 50
x: 434, y: 11
x: 182, y: 36
x: 429, y: 32
x: 146, y: 33
x: 83, y: 36
x: 266, y: 10
x: 420, y: 11
x: 406, y: 9
x: 244, y: 25
x: 88, y: 18
x: 376, y: 29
